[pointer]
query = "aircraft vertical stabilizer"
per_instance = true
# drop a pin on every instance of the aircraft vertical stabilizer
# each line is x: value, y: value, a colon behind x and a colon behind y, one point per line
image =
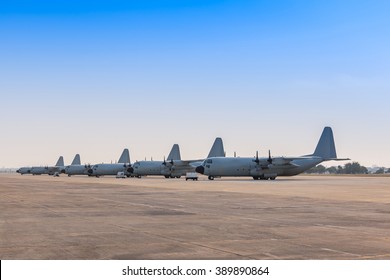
x: 60, y: 161
x: 175, y: 153
x: 76, y: 160
x: 326, y: 147
x: 217, y: 149
x: 125, y: 157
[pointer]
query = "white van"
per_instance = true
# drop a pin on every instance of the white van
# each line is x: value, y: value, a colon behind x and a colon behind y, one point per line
x: 120, y: 175
x: 192, y: 176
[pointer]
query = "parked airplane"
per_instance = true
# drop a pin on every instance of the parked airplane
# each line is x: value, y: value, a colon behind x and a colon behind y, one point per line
x: 174, y: 166
x: 76, y: 168
x: 50, y: 170
x: 150, y: 167
x: 270, y: 167
x: 102, y: 169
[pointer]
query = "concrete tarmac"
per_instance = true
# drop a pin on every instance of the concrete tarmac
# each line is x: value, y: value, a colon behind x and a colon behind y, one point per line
x: 302, y: 217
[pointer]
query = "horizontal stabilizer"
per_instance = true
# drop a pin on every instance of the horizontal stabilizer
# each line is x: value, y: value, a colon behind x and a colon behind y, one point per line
x: 338, y: 159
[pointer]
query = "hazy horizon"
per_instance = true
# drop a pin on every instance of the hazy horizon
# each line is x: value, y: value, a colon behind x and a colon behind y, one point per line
x: 99, y: 76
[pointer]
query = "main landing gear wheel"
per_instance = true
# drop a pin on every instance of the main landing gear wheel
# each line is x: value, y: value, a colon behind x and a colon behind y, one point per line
x: 211, y: 177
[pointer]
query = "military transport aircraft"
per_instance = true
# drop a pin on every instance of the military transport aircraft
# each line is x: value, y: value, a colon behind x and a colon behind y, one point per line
x: 174, y: 166
x: 151, y: 167
x: 76, y: 168
x: 50, y: 170
x: 270, y: 167
x: 102, y: 169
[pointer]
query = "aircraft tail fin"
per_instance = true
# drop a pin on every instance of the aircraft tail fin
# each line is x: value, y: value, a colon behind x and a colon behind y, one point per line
x: 174, y: 153
x: 217, y: 149
x: 326, y: 148
x: 125, y: 157
x: 76, y: 160
x: 60, y: 161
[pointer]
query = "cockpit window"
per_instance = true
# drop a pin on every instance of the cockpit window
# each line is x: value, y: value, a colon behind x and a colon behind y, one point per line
x: 209, y: 161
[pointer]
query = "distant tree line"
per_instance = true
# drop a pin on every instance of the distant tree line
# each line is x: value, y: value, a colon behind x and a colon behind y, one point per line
x: 349, y: 168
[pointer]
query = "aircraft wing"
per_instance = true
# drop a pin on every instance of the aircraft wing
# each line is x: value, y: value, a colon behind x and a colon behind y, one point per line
x: 287, y: 160
x: 193, y: 162
x: 338, y: 159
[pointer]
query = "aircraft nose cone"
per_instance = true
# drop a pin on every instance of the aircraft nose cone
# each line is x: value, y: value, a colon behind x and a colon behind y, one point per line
x: 130, y: 169
x: 200, y: 169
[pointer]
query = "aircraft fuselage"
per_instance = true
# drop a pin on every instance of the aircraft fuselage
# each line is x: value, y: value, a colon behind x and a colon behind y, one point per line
x: 107, y: 169
x: 76, y: 170
x: 235, y: 167
x: 145, y: 168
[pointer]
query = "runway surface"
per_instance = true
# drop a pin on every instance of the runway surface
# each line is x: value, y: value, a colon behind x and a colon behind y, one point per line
x: 302, y: 217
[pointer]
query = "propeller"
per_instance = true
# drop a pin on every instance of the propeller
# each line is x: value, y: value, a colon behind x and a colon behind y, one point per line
x: 269, y: 157
x: 129, y: 168
x: 127, y: 165
x: 171, y: 166
x: 165, y: 163
x: 257, y: 158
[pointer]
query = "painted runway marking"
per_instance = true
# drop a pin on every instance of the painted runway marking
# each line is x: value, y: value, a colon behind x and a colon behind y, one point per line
x: 340, y: 252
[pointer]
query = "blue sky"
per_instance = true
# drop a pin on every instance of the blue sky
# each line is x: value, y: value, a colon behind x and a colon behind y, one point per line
x: 97, y: 76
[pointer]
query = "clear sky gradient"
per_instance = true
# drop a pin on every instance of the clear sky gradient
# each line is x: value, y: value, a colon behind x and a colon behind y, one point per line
x: 98, y: 76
